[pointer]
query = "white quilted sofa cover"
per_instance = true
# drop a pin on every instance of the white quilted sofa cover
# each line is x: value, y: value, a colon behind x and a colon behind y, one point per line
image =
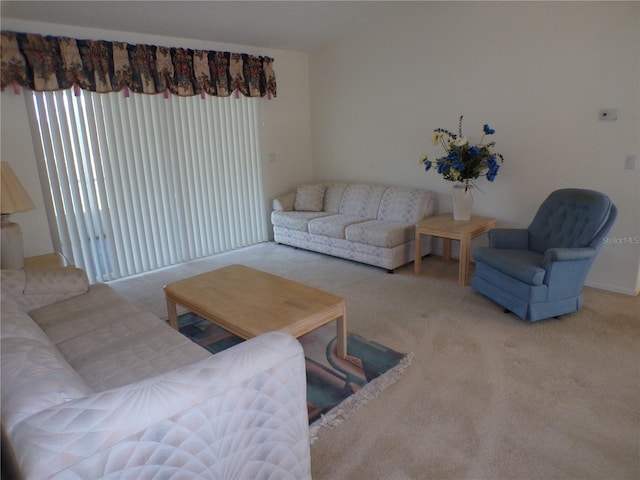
x: 92, y: 387
x: 371, y: 224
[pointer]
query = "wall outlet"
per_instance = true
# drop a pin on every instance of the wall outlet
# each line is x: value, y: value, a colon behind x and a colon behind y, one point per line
x: 630, y: 162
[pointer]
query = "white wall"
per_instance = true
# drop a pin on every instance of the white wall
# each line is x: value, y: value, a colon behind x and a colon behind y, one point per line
x: 536, y: 72
x: 16, y: 149
x: 286, y: 133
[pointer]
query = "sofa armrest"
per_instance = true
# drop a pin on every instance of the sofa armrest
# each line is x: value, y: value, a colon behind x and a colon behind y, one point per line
x: 33, y: 289
x: 238, y: 414
x: 284, y: 202
x: 517, y: 238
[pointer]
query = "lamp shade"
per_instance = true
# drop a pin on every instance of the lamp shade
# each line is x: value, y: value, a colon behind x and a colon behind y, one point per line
x: 14, y: 197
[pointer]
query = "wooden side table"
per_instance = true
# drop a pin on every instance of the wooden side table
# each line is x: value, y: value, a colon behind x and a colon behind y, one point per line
x: 48, y: 261
x: 448, y: 229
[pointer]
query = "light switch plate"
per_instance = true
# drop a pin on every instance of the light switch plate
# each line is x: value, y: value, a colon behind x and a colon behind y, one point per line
x: 630, y: 162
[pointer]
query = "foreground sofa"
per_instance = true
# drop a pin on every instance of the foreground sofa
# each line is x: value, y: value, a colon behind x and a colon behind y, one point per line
x: 372, y: 224
x: 92, y: 387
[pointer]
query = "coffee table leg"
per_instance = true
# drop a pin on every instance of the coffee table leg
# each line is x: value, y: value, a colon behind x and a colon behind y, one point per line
x: 341, y: 335
x: 173, y: 313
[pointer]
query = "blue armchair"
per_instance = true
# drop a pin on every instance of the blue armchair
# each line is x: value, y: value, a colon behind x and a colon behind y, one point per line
x: 539, y: 272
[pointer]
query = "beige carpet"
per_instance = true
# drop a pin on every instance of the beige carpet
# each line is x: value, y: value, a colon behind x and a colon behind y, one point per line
x: 487, y: 396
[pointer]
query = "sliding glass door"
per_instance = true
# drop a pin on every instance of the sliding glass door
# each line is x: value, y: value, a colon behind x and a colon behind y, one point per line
x: 142, y: 182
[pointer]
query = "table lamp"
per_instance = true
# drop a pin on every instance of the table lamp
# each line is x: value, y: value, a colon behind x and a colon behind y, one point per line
x: 14, y: 198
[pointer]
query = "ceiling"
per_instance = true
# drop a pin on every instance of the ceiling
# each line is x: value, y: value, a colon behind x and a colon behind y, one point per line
x: 284, y: 25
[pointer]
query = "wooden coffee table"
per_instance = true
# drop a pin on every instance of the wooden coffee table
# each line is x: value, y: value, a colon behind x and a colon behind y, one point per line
x: 248, y: 302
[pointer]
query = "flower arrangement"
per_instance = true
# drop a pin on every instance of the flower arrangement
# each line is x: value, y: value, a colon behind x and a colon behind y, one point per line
x: 464, y: 162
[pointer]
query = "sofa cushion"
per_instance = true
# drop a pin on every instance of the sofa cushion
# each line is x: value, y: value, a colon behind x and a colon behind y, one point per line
x: 380, y: 234
x: 295, y: 220
x: 35, y: 375
x: 16, y: 323
x: 524, y: 265
x: 404, y: 205
x: 362, y: 200
x: 110, y: 342
x: 333, y: 225
x: 309, y: 198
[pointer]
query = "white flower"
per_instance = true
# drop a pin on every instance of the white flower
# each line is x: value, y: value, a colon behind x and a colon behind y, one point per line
x: 460, y: 141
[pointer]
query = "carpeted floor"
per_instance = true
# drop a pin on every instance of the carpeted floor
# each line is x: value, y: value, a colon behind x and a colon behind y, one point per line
x: 487, y: 396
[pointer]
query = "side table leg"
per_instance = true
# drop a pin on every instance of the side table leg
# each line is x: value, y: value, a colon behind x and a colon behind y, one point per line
x: 173, y: 313
x: 417, y: 262
x: 463, y: 270
x: 341, y: 335
x: 446, y: 249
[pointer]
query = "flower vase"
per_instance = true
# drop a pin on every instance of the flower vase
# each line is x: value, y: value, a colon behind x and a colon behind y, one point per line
x: 462, y: 196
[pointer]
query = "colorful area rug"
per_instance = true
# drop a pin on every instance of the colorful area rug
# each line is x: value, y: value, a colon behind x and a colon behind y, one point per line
x: 336, y: 387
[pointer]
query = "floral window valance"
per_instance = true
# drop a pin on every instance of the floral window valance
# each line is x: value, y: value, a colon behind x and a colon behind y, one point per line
x: 45, y: 63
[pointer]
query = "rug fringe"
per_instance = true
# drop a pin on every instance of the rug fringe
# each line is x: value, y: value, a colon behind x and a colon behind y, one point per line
x: 341, y: 412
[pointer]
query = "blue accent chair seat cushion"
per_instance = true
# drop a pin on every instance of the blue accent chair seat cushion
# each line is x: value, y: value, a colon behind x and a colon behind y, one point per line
x: 539, y: 272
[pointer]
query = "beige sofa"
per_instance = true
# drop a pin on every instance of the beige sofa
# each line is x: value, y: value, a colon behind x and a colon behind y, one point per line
x: 372, y: 224
x: 92, y: 387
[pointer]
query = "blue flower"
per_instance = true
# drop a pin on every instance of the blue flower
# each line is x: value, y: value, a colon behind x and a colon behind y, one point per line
x: 493, y: 172
x: 457, y: 165
x: 463, y: 160
x: 488, y: 130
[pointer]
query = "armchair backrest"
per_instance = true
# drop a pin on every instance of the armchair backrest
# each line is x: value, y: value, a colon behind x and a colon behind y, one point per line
x: 571, y: 218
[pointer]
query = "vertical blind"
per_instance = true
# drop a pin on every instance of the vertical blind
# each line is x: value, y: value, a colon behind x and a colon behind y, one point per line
x: 142, y: 182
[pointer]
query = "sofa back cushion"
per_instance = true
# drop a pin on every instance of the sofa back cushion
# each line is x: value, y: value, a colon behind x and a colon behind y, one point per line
x: 110, y: 342
x: 35, y: 375
x: 15, y: 322
x: 404, y: 205
x: 333, y: 196
x: 362, y: 200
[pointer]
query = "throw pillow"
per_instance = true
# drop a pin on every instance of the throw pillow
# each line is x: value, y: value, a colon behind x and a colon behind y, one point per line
x: 309, y: 198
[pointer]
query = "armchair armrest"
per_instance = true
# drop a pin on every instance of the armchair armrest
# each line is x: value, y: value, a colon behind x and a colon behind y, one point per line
x: 517, y: 238
x: 566, y: 270
x: 284, y: 202
x: 567, y: 254
x: 238, y: 414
